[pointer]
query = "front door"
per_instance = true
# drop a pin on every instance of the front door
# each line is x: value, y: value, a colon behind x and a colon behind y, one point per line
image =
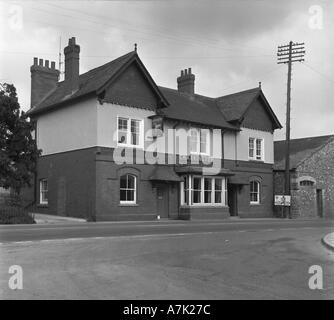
x: 163, y: 199
x: 232, y: 199
x: 319, y: 202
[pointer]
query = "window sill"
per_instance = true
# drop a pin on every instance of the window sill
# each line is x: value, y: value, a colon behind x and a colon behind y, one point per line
x: 255, y: 160
x: 255, y: 204
x: 204, y: 205
x: 129, y: 146
x: 42, y: 205
x: 128, y: 205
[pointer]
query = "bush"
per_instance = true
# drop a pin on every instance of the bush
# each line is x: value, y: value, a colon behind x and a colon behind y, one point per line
x: 15, y: 215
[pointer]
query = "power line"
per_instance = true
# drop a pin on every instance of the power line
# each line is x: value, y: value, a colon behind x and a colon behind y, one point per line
x: 318, y: 72
x: 146, y: 57
x: 262, y: 76
x: 167, y: 37
x: 150, y: 26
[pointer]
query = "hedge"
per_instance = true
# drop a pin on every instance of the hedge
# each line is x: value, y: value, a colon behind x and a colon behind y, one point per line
x: 15, y: 215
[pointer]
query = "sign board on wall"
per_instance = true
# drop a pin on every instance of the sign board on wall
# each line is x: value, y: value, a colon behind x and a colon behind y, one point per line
x: 157, y: 126
x: 282, y: 200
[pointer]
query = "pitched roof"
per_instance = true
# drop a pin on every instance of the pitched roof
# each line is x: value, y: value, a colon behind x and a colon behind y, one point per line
x: 193, y: 108
x: 181, y: 106
x: 300, y: 149
x: 88, y: 82
x: 234, y: 105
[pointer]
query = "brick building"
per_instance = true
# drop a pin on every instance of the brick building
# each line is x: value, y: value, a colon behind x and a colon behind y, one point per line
x: 312, y: 175
x: 116, y: 146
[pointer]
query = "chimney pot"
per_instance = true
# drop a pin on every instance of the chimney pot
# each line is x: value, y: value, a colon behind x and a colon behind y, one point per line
x: 43, y: 80
x: 186, y: 82
x: 71, y: 53
x: 53, y: 65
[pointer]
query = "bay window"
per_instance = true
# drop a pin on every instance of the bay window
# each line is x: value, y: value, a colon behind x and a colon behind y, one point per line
x: 196, y: 190
x: 203, y: 191
x: 207, y: 190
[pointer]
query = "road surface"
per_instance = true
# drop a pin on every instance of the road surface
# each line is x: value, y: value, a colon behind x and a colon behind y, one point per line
x: 263, y: 259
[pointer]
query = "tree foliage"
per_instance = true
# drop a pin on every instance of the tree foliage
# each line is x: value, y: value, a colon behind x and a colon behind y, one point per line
x: 18, y: 150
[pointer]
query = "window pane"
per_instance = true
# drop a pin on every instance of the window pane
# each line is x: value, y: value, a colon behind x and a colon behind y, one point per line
x: 122, y: 195
x: 135, y: 126
x: 131, y: 182
x: 130, y: 195
x: 207, y: 183
x: 122, y: 136
x: 207, y: 196
x: 218, y: 184
x: 135, y: 132
x: 123, y: 182
x: 251, y: 147
x: 197, y: 183
x: 258, y: 148
x: 122, y: 124
x: 196, y: 196
x: 203, y: 141
x: 193, y: 140
x: 218, y: 197
x: 135, y: 139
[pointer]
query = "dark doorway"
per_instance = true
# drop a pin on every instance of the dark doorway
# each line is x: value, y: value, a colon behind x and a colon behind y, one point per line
x: 232, y: 199
x: 163, y: 199
x: 319, y: 203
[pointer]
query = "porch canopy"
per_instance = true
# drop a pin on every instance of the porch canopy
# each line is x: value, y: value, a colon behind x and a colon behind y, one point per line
x: 238, y: 178
x: 201, y: 170
x: 164, y: 173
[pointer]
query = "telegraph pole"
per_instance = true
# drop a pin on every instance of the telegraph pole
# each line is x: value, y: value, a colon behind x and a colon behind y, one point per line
x: 287, y: 54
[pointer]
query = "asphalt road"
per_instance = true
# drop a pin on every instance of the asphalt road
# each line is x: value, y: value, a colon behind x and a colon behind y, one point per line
x: 168, y: 260
x: 10, y: 233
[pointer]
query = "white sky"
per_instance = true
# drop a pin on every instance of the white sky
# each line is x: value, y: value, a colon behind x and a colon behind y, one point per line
x: 230, y: 46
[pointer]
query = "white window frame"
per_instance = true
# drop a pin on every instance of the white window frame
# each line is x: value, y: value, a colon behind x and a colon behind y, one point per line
x: 255, y: 143
x: 258, y: 192
x: 128, y: 133
x: 134, y: 201
x: 42, y: 192
x: 199, y: 133
x: 202, y: 197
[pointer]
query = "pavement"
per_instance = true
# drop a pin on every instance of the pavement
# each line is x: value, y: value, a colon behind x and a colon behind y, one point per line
x: 42, y: 218
x: 169, y: 260
x: 328, y: 241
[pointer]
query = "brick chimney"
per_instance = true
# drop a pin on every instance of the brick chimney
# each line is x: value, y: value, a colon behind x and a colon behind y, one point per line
x: 71, y: 53
x: 44, y: 78
x: 186, y: 82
